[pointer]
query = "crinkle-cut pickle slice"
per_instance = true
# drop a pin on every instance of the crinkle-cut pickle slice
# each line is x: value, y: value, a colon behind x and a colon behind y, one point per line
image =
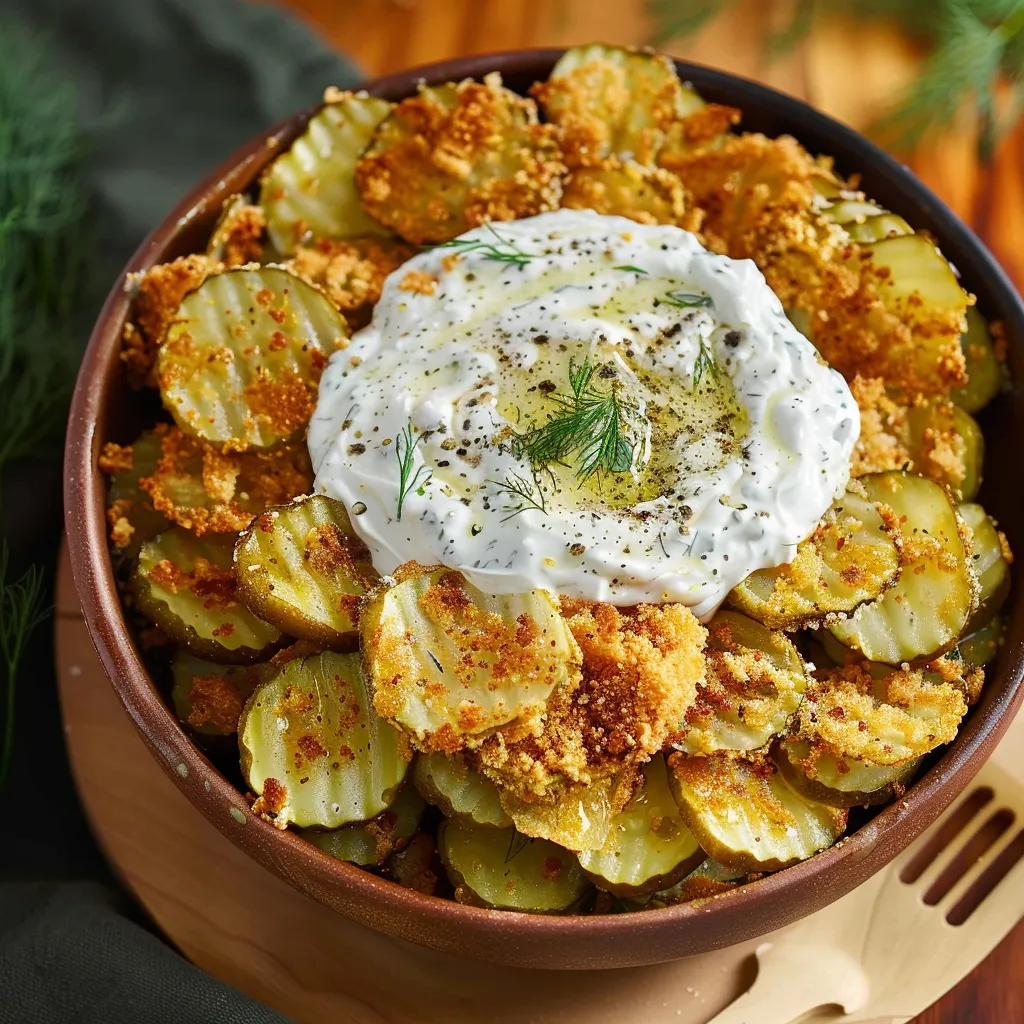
x: 624, y: 188
x: 754, y: 680
x: 922, y: 616
x: 986, y: 374
x: 819, y: 775
x: 613, y: 101
x: 450, y: 664
x: 130, y: 513
x: 449, y: 784
x: 978, y: 649
x: 648, y: 848
x: 456, y: 156
x: 989, y: 557
x: 916, y: 284
x: 371, y: 843
x: 576, y: 816
x: 302, y: 567
x: 874, y: 229
x: 745, y: 815
x: 946, y: 445
x: 852, y: 211
x: 208, y: 697
x: 313, y: 749
x: 310, y: 191
x: 881, y: 714
x: 502, y: 869
x: 241, y: 360
x: 852, y: 557
x: 186, y: 586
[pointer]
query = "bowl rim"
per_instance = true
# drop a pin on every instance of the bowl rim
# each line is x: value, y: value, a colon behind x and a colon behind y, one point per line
x: 384, y: 904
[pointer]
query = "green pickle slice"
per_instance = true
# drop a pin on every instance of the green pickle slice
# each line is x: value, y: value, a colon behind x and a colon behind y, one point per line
x: 133, y: 519
x: 649, y: 848
x: 614, y: 101
x: 990, y: 564
x: 754, y: 680
x: 852, y: 557
x: 819, y: 775
x: 980, y: 648
x: 370, y: 843
x: 310, y: 191
x: 450, y: 664
x: 186, y: 586
x: 240, y: 363
x: 302, y: 567
x: 922, y: 616
x: 745, y: 815
x: 500, y: 868
x: 208, y: 697
x: 940, y: 419
x: 312, y: 748
x: 448, y: 783
x: 986, y: 374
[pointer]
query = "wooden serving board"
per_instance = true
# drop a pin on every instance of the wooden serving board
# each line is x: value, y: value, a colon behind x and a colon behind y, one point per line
x: 244, y: 925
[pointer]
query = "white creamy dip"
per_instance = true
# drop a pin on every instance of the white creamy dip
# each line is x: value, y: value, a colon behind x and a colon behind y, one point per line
x: 730, y: 435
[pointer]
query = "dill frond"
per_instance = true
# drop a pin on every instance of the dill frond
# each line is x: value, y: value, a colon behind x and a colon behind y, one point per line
x: 503, y: 251
x: 405, y: 450
x: 593, y: 424
x: 523, y: 494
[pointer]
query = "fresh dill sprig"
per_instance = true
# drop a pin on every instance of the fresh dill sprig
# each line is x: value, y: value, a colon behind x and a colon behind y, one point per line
x: 704, y: 365
x: 405, y: 451
x: 631, y: 269
x: 44, y: 258
x: 516, y: 844
x: 504, y: 251
x: 976, y: 45
x: 686, y: 300
x: 23, y: 606
x: 523, y: 494
x: 593, y: 424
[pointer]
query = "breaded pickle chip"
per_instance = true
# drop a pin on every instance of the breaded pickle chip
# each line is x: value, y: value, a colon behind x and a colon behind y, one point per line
x: 130, y: 513
x: 302, y: 567
x: 879, y: 714
x: 186, y: 586
x: 818, y: 774
x: 754, y: 680
x: 991, y: 557
x: 946, y: 445
x: 577, y: 816
x: 612, y: 101
x: 310, y: 191
x: 852, y: 557
x: 313, y: 750
x: 648, y: 848
x: 922, y: 616
x: 456, y: 156
x: 499, y: 868
x: 209, y: 697
x: 624, y: 188
x: 237, y: 237
x: 745, y: 815
x: 450, y: 664
x: 371, y: 843
x: 979, y: 648
x: 874, y: 229
x: 198, y: 486
x: 985, y: 373
x: 241, y: 360
x: 447, y: 782
x: 917, y: 285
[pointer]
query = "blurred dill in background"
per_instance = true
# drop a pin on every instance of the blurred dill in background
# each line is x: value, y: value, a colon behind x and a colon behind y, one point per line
x: 976, y: 54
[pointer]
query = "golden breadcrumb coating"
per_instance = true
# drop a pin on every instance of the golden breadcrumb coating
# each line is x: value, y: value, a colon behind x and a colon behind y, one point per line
x: 351, y: 272
x: 238, y: 237
x: 161, y: 290
x: 436, y: 169
x: 641, y: 667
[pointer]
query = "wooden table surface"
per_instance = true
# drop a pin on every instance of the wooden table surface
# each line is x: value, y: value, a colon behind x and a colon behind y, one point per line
x: 850, y: 69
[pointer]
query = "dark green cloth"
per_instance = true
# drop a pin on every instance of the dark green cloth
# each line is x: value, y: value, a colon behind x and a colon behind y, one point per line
x: 166, y: 89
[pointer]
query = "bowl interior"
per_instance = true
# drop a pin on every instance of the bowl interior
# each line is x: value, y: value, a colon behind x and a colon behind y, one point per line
x: 104, y: 409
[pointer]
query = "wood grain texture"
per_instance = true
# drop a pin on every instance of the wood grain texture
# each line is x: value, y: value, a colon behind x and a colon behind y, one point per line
x: 847, y: 68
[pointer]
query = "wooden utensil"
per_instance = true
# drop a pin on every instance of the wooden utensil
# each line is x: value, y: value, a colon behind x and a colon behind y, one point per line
x: 890, y: 948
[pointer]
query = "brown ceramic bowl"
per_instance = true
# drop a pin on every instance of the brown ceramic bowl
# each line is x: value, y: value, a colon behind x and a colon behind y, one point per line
x: 104, y: 409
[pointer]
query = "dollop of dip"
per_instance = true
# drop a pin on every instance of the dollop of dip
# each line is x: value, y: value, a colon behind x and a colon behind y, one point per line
x: 586, y: 405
